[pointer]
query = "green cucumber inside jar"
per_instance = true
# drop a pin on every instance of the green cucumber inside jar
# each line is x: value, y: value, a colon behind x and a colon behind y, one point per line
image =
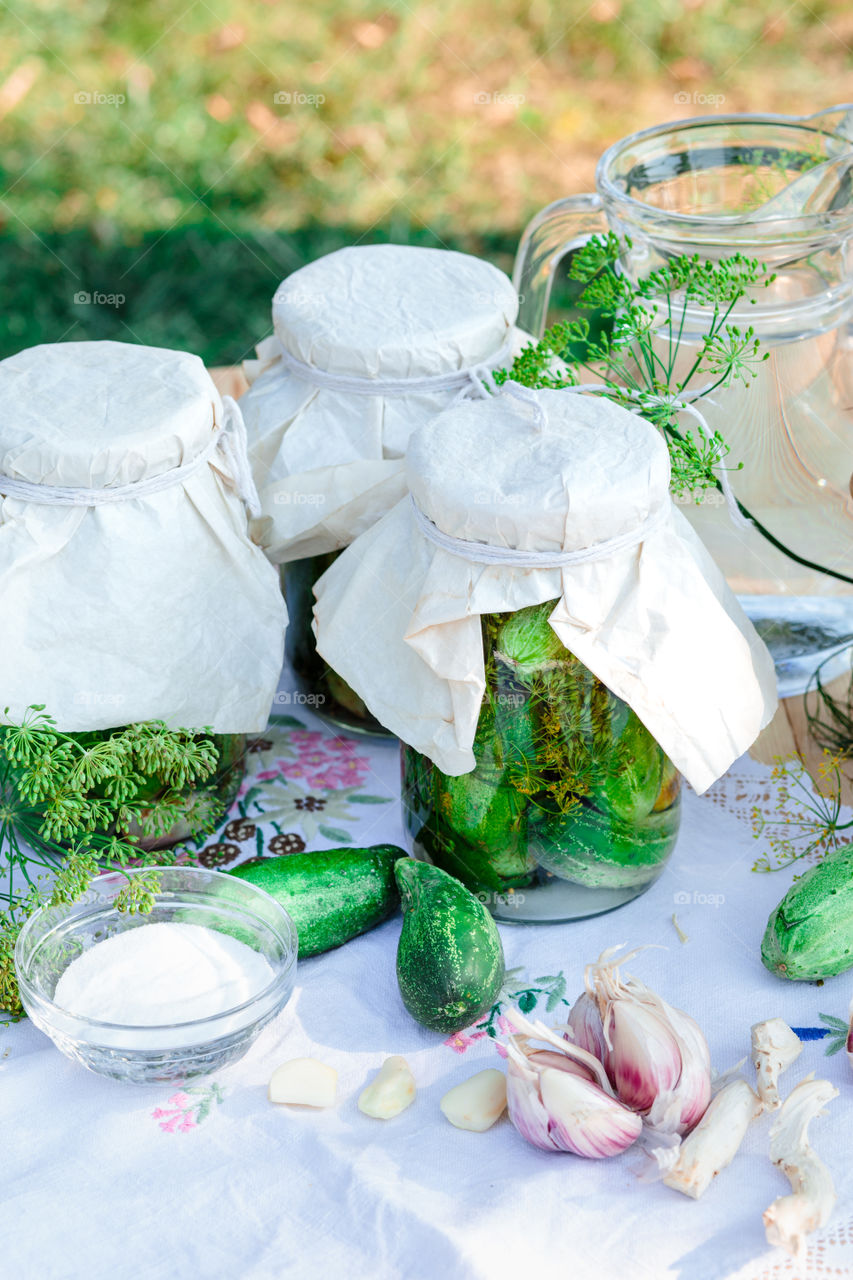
x: 570, y: 793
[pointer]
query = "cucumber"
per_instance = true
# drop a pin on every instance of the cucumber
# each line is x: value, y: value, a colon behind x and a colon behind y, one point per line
x: 450, y: 961
x: 810, y: 933
x: 332, y: 895
x: 595, y: 848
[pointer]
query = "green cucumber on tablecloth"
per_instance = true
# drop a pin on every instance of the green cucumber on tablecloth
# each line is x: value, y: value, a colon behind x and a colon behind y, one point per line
x: 332, y: 895
x: 810, y: 933
x: 450, y: 961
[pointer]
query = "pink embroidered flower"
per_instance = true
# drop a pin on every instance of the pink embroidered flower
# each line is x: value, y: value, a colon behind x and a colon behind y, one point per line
x: 180, y: 1100
x: 459, y: 1042
x: 463, y: 1039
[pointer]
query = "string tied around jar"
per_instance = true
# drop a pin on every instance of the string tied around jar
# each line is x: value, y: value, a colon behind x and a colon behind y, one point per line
x: 229, y: 437
x: 476, y: 380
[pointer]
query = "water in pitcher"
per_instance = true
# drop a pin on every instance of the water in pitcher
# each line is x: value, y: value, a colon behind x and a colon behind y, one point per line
x: 780, y: 190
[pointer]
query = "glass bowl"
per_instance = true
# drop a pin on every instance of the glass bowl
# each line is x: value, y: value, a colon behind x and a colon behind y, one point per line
x: 54, y: 936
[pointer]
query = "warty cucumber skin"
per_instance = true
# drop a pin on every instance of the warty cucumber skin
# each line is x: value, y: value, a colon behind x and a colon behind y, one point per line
x: 450, y: 961
x: 810, y: 934
x: 332, y: 895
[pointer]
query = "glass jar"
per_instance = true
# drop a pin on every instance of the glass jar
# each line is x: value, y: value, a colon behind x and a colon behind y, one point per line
x: 318, y: 686
x: 572, y: 809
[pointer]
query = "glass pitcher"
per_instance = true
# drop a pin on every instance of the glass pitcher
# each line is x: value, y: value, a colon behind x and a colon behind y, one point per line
x: 715, y: 186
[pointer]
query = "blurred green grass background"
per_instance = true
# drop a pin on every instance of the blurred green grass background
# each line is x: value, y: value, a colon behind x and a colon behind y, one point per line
x: 177, y: 161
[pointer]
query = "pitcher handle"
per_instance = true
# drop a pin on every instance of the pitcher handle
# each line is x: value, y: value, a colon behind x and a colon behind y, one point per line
x: 555, y: 231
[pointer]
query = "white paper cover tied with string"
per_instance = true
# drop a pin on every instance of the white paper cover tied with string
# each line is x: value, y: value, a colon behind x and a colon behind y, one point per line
x: 529, y: 497
x: 130, y: 587
x: 369, y: 342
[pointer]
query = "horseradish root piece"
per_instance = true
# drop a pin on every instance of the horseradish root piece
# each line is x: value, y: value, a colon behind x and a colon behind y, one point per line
x: 774, y: 1047
x: 304, y: 1082
x: 790, y: 1218
x: 714, y: 1142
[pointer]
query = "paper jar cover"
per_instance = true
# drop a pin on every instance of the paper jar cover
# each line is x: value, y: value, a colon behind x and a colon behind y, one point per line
x: 155, y: 607
x: 400, y: 618
x: 328, y: 463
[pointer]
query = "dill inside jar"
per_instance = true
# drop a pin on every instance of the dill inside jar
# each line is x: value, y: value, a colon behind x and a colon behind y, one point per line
x: 568, y: 784
x: 369, y: 342
x: 553, y: 646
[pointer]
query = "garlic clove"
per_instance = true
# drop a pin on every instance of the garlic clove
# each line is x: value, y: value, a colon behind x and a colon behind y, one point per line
x: 774, y: 1047
x: 550, y: 1058
x: 390, y: 1091
x: 477, y: 1103
x: 555, y: 1108
x: 715, y: 1141
x: 685, y: 1106
x: 790, y: 1218
x: 304, y: 1082
x: 644, y: 1059
x: 585, y: 1027
x: 583, y: 1119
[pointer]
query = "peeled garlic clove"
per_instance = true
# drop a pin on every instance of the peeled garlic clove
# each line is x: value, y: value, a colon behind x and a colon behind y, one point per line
x: 715, y: 1141
x: 774, y: 1047
x: 790, y: 1218
x: 304, y: 1082
x: 390, y: 1091
x: 476, y: 1103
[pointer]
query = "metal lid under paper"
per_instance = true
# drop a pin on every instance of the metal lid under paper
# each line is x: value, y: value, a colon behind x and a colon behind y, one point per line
x: 131, y: 589
x: 369, y: 342
x: 515, y: 502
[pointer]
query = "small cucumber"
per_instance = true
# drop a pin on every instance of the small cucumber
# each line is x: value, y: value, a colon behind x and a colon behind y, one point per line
x: 450, y: 961
x: 332, y: 895
x: 810, y: 934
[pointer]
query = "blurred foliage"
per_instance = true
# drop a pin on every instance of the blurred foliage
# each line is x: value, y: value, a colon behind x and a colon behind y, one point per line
x: 188, y: 157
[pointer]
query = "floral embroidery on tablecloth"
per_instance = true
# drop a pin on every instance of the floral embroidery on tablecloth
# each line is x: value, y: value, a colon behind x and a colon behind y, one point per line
x: 517, y: 990
x: 188, y: 1108
x: 296, y: 777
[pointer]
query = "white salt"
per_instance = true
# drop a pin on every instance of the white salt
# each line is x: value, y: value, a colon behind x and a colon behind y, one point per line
x: 160, y: 974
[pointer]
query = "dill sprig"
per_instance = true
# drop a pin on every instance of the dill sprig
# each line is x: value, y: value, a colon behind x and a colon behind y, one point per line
x: 637, y: 344
x: 808, y: 821
x: 73, y: 804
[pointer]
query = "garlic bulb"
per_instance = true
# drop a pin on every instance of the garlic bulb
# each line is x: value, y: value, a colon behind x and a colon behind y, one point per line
x: 560, y: 1099
x: 774, y: 1047
x: 656, y: 1056
x: 790, y: 1218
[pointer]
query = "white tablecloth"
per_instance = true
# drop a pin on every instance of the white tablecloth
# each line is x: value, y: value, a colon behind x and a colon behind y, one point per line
x: 101, y: 1179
